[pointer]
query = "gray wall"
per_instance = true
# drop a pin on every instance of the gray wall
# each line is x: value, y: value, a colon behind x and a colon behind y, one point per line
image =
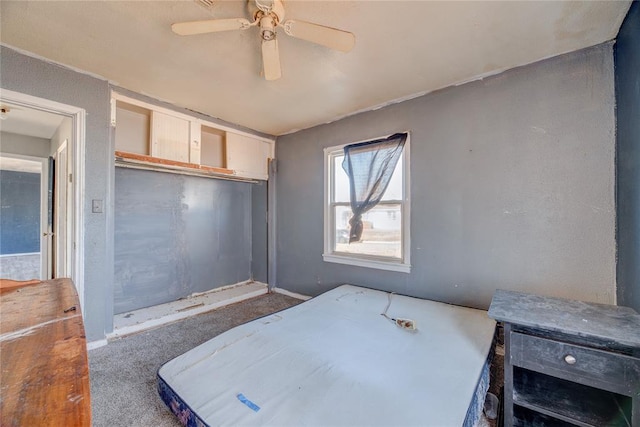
x: 24, y: 145
x: 259, y: 231
x: 35, y: 77
x: 627, y: 59
x: 176, y: 235
x: 20, y: 215
x: 512, y: 187
x: 25, y: 74
x: 64, y: 132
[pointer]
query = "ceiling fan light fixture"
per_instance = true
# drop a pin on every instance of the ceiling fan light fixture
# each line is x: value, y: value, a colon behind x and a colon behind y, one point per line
x: 267, y: 35
x: 269, y: 14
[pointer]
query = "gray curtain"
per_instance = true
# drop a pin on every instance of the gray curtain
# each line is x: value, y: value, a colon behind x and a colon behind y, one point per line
x: 369, y: 166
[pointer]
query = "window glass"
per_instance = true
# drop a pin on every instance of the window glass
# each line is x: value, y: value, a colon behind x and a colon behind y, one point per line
x: 394, y: 190
x: 341, y: 180
x: 385, y: 225
x: 382, y: 235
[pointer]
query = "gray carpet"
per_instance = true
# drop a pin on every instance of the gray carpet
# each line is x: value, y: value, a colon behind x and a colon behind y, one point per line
x: 123, y: 373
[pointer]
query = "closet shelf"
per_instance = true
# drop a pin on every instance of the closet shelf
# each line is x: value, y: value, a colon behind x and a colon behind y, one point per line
x: 140, y: 161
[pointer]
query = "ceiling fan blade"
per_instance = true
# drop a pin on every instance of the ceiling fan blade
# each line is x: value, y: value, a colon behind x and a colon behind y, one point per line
x: 271, y: 59
x: 270, y: 54
x: 210, y: 26
x: 319, y: 34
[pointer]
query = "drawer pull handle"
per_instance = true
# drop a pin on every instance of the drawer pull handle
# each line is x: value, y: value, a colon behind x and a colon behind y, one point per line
x: 570, y: 359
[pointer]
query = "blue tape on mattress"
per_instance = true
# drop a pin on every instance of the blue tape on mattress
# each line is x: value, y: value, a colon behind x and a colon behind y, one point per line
x: 247, y: 402
x: 189, y: 418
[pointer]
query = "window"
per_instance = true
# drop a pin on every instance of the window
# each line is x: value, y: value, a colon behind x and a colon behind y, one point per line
x: 385, y: 237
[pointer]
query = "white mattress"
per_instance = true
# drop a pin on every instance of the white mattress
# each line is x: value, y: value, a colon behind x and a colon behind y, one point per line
x: 334, y: 360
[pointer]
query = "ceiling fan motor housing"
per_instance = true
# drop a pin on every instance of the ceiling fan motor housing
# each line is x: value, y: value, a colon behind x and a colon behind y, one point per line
x: 275, y: 8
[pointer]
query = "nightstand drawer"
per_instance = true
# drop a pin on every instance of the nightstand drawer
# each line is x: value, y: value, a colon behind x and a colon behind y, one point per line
x: 610, y: 371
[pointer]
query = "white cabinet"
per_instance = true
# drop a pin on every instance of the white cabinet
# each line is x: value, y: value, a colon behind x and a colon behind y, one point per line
x: 150, y: 135
x: 213, y: 147
x: 170, y: 137
x: 132, y: 130
x: 248, y: 156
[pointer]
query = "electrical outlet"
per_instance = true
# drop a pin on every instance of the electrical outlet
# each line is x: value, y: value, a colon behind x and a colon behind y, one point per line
x: 96, y: 206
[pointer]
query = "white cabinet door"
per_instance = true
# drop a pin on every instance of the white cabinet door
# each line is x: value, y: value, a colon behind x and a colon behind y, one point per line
x: 170, y: 137
x: 248, y: 156
x: 195, y: 146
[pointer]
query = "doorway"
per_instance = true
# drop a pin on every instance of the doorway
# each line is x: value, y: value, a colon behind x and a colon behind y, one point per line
x: 41, y: 155
x: 24, y: 245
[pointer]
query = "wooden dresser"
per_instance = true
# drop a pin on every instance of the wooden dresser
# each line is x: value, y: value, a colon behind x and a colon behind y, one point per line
x: 568, y: 362
x: 43, y: 356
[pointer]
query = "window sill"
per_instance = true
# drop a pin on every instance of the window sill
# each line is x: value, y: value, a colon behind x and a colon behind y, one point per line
x: 369, y: 263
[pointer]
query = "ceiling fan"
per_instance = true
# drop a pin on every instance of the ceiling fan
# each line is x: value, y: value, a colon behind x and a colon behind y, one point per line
x: 268, y: 15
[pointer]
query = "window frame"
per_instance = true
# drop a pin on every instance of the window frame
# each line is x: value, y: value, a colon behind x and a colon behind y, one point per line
x: 361, y: 260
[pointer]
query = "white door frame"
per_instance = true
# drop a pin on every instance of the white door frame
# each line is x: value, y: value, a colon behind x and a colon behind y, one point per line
x: 63, y: 187
x: 77, y: 146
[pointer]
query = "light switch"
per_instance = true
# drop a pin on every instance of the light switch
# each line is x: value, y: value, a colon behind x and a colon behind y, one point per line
x: 96, y: 206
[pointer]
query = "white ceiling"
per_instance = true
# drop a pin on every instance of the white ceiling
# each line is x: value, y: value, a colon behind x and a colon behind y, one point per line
x: 403, y: 49
x: 19, y: 165
x: 30, y: 122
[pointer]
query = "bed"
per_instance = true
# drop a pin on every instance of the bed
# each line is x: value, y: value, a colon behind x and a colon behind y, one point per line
x: 336, y: 361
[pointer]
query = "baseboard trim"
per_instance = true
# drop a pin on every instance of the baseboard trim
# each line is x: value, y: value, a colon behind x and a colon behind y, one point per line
x: 153, y: 317
x: 291, y: 294
x: 96, y: 344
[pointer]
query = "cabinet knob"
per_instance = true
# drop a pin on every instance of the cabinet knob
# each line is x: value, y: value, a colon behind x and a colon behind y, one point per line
x: 570, y: 359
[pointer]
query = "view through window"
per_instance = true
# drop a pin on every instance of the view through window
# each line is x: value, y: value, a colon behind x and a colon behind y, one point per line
x: 382, y: 236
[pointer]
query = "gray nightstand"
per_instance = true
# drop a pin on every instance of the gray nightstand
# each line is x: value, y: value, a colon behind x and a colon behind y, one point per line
x: 568, y: 362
